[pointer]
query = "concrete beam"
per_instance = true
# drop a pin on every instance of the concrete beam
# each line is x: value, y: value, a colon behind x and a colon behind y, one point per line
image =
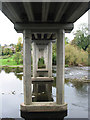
x: 43, y: 42
x: 42, y: 36
x: 11, y: 11
x: 53, y: 36
x: 36, y: 37
x: 42, y: 79
x: 28, y: 9
x: 48, y: 36
x: 45, y: 10
x: 78, y: 10
x: 61, y: 11
x: 43, y: 27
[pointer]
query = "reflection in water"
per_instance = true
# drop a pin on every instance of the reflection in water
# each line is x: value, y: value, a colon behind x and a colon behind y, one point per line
x: 16, y: 71
x: 12, y: 80
x: 19, y: 76
x: 0, y: 70
x: 80, y: 87
x: 13, y: 69
x: 42, y: 91
x: 8, y: 69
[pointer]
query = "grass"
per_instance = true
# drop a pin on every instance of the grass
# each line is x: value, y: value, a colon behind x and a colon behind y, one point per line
x: 8, y: 61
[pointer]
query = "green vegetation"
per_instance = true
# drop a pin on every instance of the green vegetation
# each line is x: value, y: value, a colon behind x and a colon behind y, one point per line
x: 75, y: 56
x: 82, y: 39
x: 7, y: 51
x: 19, y: 46
x: 9, y: 61
x: 54, y: 53
x: 41, y: 63
x: 18, y: 57
x: 76, y: 52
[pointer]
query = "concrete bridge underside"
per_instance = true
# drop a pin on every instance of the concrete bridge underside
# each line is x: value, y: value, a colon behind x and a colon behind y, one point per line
x: 43, y: 22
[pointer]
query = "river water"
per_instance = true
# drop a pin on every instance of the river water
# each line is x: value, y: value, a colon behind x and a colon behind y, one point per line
x: 11, y: 92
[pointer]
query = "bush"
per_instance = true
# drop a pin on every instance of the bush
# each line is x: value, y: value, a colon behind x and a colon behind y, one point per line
x: 54, y: 59
x: 21, y: 61
x: 18, y: 57
x: 75, y: 56
x: 41, y: 63
x: 7, y: 51
x: 8, y: 60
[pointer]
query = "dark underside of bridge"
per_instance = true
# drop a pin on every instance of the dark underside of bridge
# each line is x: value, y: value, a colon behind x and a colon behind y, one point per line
x: 44, y: 13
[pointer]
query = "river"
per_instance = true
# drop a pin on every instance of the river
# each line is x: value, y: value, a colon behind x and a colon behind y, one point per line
x: 76, y: 93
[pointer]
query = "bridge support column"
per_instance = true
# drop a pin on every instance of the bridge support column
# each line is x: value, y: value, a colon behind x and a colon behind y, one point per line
x: 50, y: 59
x: 35, y: 59
x: 27, y: 67
x: 60, y: 67
x: 46, y: 56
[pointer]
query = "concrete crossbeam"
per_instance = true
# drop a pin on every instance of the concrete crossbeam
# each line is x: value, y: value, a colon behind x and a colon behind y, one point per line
x: 43, y: 27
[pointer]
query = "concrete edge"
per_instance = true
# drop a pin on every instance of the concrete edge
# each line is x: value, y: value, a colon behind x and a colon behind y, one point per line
x: 43, y: 107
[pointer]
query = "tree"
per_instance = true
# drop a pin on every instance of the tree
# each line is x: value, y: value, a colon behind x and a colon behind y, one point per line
x: 54, y: 53
x: 82, y: 39
x: 7, y: 51
x: 0, y: 50
x: 19, y: 45
x: 66, y: 40
x: 18, y: 57
x: 54, y: 47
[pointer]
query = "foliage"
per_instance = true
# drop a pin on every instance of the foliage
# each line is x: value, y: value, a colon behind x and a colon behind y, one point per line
x: 82, y: 39
x: 7, y: 51
x: 66, y: 40
x: 54, y: 53
x: 75, y: 56
x: 0, y: 50
x: 41, y: 63
x: 19, y: 45
x: 18, y: 57
x: 54, y: 50
x: 6, y: 59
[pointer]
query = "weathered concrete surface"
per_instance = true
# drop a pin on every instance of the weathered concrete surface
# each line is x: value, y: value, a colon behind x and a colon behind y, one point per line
x: 27, y: 67
x: 42, y: 49
x: 44, y: 110
x: 34, y: 59
x: 50, y: 59
x: 42, y: 73
x: 60, y: 67
x: 42, y: 70
x: 42, y: 79
x: 43, y: 107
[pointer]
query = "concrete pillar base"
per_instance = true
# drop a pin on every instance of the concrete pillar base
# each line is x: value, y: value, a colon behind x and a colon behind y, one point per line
x: 44, y: 110
x: 42, y: 79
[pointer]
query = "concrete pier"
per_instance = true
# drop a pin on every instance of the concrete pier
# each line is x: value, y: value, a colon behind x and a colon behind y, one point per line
x: 44, y: 110
x: 50, y: 59
x: 60, y: 67
x: 42, y: 49
x: 27, y: 67
x: 35, y: 59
